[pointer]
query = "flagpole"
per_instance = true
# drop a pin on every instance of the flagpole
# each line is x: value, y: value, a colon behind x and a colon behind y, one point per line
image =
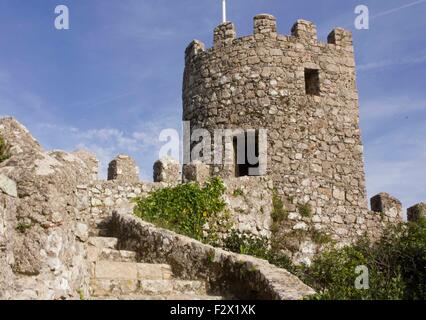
x: 223, y: 11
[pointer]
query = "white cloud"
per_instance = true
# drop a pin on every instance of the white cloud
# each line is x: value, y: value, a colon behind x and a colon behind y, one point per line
x: 397, y: 9
x: 420, y: 58
x: 106, y: 143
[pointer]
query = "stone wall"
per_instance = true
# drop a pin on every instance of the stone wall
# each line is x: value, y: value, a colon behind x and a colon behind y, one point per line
x: 42, y: 252
x: 249, y: 201
x: 243, y: 276
x: 315, y: 154
x: 50, y: 202
x: 250, y: 205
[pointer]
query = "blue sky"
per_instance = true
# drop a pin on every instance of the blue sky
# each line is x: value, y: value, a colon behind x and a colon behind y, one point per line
x: 113, y: 81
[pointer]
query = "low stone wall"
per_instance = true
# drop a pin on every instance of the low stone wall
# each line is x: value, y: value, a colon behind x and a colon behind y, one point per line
x: 241, y: 276
x: 250, y: 204
x: 249, y: 200
x: 42, y: 252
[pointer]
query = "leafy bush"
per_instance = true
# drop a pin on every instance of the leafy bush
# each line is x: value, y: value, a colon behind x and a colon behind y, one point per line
x: 396, y: 265
x: 305, y: 210
x: 189, y: 209
x: 250, y: 244
x: 4, y: 150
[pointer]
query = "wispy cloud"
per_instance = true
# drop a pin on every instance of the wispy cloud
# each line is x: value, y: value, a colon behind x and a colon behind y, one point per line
x: 420, y: 58
x: 397, y: 9
x: 106, y: 143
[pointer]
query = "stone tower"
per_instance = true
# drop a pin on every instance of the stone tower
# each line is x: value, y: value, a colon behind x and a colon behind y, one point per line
x: 302, y: 91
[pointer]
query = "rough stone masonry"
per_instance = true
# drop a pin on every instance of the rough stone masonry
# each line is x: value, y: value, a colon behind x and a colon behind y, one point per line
x: 301, y: 90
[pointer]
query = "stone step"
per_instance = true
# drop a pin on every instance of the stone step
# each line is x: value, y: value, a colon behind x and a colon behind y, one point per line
x: 181, y: 297
x: 167, y: 287
x: 112, y: 270
x: 116, y: 288
x: 99, y: 232
x: 96, y: 254
x: 103, y: 242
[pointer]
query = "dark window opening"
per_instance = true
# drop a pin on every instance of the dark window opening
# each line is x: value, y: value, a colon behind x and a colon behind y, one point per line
x: 245, y: 168
x: 312, y: 82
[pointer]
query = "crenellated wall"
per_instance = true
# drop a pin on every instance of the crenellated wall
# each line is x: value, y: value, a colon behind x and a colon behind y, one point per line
x: 314, y: 148
x: 301, y: 90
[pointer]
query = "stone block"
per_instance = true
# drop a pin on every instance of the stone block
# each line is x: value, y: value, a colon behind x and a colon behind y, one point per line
x: 224, y: 34
x: 103, y: 242
x: 385, y: 203
x: 82, y: 231
x: 116, y: 270
x: 417, y: 212
x: 196, y: 172
x: 8, y: 186
x: 340, y: 37
x: 91, y: 162
x: 123, y: 169
x: 265, y: 24
x: 167, y: 170
x: 304, y: 30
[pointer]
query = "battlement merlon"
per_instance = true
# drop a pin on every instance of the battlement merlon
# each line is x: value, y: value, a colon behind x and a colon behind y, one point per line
x: 265, y: 27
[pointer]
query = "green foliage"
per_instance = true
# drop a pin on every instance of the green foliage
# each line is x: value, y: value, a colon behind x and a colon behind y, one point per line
x: 279, y: 213
x: 305, y: 210
x: 396, y: 265
x: 238, y: 193
x: 211, y: 256
x: 187, y: 209
x: 23, y: 227
x: 4, y: 150
x: 249, y: 244
x: 81, y: 294
x: 319, y: 237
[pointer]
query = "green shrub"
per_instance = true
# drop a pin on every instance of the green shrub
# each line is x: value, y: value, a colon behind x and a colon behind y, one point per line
x: 238, y: 193
x: 305, y: 210
x: 319, y: 237
x: 279, y: 213
x: 22, y: 227
x: 396, y: 265
x: 4, y: 150
x: 257, y: 246
x: 187, y: 209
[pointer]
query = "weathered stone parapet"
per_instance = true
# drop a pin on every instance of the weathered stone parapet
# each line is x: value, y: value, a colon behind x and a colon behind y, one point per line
x: 42, y: 254
x: 18, y: 136
x: 224, y: 34
x: 243, y: 276
x: 167, y: 170
x: 123, y: 168
x: 266, y: 25
x: 193, y: 49
x: 306, y: 30
x: 388, y: 205
x: 92, y: 163
x: 417, y: 212
x: 196, y: 172
x: 340, y: 37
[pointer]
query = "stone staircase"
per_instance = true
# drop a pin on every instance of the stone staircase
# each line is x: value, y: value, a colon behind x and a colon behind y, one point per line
x: 117, y: 275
